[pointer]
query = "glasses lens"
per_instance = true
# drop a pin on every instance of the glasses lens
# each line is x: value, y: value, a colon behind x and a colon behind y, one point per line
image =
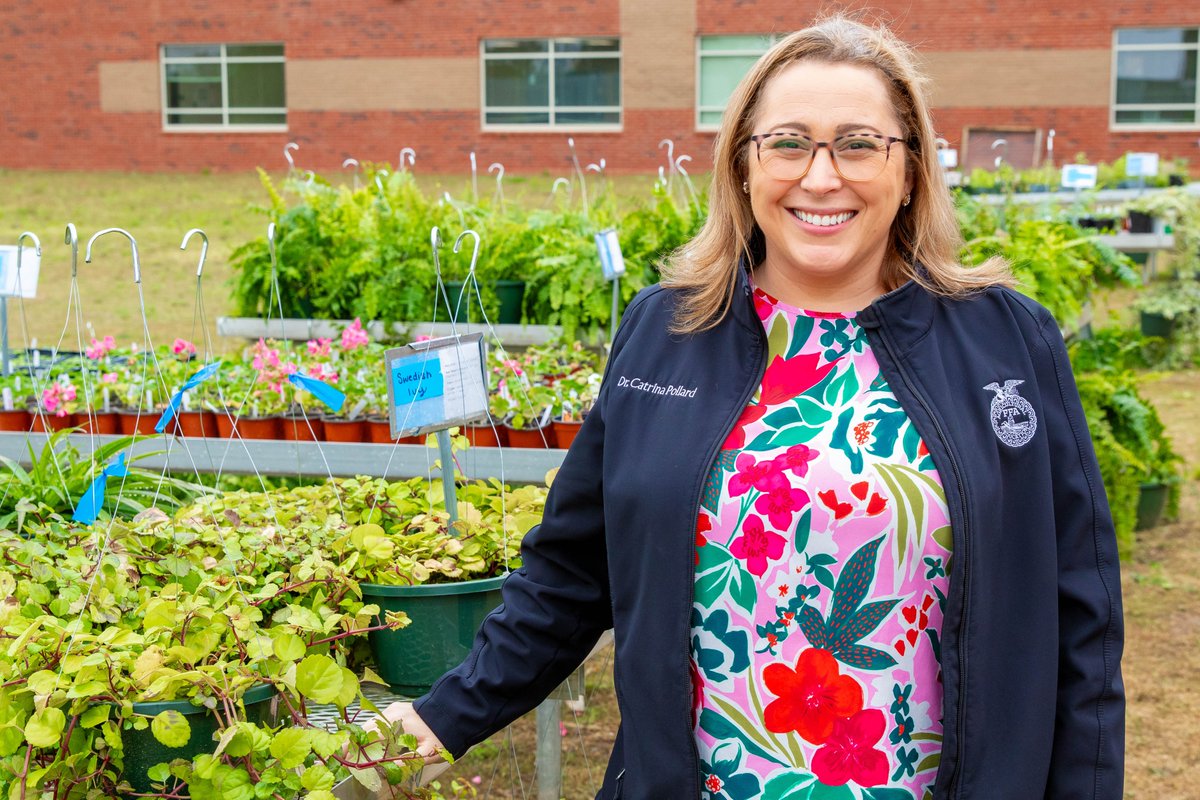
x: 860, y: 158
x: 786, y: 157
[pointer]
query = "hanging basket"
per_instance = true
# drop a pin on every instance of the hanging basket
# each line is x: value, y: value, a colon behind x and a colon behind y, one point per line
x: 143, y: 751
x: 1152, y: 502
x: 444, y: 617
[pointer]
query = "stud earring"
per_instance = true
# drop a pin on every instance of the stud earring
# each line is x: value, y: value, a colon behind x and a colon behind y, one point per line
x: 746, y: 187
x: 907, y: 199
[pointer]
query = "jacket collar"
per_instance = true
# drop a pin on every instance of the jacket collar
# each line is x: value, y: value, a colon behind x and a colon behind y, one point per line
x: 907, y: 309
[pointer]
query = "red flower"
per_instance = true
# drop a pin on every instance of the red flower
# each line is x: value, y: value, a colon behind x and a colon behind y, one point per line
x: 796, y: 459
x: 737, y: 437
x: 877, y: 505
x: 780, y: 503
x: 782, y: 589
x: 762, y: 475
x: 703, y: 525
x: 849, y: 753
x: 784, y: 379
x: 840, y: 510
x: 713, y: 783
x: 764, y: 304
x: 756, y: 545
x: 812, y: 697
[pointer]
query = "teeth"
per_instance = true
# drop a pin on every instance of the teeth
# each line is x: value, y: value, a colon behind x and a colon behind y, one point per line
x: 824, y: 220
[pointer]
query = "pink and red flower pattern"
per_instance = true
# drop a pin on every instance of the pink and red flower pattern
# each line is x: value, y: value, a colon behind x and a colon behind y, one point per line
x: 822, y: 489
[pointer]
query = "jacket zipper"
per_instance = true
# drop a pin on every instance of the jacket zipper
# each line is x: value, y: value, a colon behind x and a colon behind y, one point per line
x: 747, y: 393
x: 964, y: 542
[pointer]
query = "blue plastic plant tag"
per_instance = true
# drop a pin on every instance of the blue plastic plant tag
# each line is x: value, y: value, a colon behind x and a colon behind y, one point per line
x: 93, y: 499
x: 609, y: 248
x: 334, y: 398
x: 203, y: 374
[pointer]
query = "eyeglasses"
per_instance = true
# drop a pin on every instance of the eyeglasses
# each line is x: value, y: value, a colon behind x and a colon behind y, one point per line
x: 788, y: 156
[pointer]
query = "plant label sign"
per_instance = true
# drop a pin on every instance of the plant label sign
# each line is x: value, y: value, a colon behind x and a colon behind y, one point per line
x: 1141, y: 165
x: 24, y: 284
x: 948, y: 158
x: 611, y: 260
x: 1079, y: 176
x: 436, y: 384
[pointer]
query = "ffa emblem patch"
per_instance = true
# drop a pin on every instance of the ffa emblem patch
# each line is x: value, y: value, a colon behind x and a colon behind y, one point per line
x: 1013, y: 419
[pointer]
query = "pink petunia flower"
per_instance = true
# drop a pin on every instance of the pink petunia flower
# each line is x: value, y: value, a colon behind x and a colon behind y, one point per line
x: 756, y: 545
x: 100, y: 348
x: 318, y: 347
x: 353, y: 336
x: 108, y: 377
x: 182, y: 347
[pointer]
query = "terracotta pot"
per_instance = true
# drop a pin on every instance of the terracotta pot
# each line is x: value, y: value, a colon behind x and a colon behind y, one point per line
x: 486, y: 435
x: 224, y: 422
x: 15, y: 420
x: 534, y: 438
x: 565, y: 432
x: 260, y: 427
x: 195, y: 424
x: 141, y: 424
x: 298, y: 429
x: 107, y: 422
x: 47, y: 423
x: 379, y: 431
x: 345, y: 430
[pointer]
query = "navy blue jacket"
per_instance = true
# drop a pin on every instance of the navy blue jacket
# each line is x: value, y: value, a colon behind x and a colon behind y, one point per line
x: 1031, y: 646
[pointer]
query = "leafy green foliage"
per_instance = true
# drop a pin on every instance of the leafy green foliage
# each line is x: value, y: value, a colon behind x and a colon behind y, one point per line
x: 344, y: 254
x: 59, y: 476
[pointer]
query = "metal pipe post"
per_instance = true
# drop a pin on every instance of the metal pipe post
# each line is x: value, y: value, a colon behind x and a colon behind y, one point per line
x: 443, y: 439
x: 5, y: 363
x: 612, y: 328
x: 549, y: 750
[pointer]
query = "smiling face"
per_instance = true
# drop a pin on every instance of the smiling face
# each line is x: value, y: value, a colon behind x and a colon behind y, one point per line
x: 826, y: 237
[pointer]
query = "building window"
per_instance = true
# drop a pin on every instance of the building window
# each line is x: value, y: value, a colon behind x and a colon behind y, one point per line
x: 722, y: 61
x: 223, y: 86
x: 1155, y: 82
x: 552, y: 83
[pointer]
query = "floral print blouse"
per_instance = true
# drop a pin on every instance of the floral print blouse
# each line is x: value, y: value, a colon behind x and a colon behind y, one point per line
x: 822, y: 553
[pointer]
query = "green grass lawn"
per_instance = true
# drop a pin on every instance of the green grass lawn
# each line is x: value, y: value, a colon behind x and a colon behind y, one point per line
x: 157, y: 210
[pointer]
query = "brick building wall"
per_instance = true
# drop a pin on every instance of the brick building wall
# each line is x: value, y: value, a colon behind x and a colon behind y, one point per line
x: 81, y: 85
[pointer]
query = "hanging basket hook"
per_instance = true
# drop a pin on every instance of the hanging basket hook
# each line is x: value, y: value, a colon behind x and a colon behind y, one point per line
x: 204, y: 247
x: 137, y: 265
x: 71, y: 237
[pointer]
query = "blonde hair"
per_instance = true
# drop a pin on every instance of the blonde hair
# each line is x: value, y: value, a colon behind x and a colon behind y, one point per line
x: 924, y: 232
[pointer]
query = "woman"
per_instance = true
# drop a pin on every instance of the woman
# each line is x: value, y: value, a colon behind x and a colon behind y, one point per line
x: 837, y: 497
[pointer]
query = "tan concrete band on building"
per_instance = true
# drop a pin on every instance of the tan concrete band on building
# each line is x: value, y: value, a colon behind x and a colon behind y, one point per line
x: 1006, y: 78
x: 658, y: 66
x: 334, y: 84
x: 127, y: 86
x: 383, y: 84
x: 658, y: 54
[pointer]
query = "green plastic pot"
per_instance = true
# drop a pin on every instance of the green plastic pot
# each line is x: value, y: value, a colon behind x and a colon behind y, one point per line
x: 509, y: 293
x: 444, y: 618
x: 143, y: 751
x: 1152, y: 501
x: 1157, y: 325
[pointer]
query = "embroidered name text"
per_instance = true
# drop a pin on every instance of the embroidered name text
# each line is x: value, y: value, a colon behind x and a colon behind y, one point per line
x: 654, y: 388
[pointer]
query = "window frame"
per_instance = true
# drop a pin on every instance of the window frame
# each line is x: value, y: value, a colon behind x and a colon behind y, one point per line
x: 552, y: 109
x: 1113, y: 108
x: 224, y: 60
x: 771, y: 40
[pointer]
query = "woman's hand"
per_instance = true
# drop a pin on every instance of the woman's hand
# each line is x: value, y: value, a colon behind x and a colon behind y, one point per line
x: 428, y: 746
